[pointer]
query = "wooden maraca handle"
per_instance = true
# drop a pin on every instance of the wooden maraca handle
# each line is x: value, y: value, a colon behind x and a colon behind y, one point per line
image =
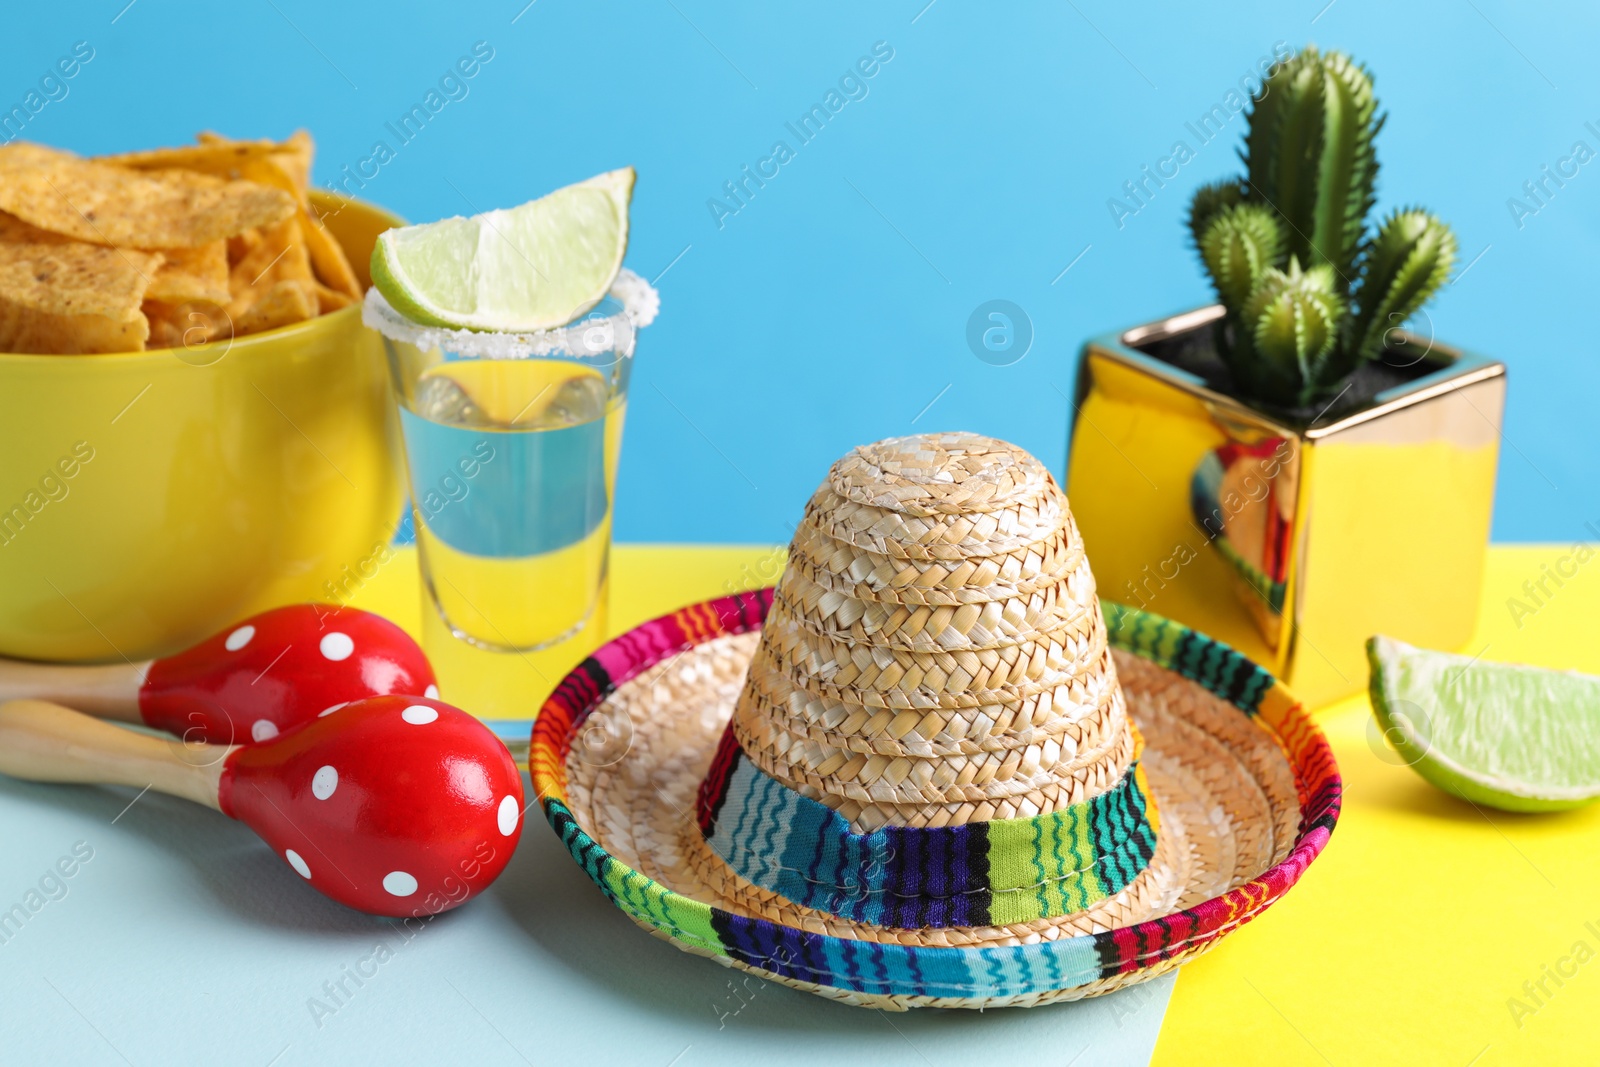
x: 110, y: 691
x: 44, y: 742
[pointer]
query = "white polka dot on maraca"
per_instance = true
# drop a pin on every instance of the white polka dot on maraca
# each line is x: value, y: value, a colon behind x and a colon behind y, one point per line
x: 419, y: 715
x: 296, y: 862
x: 324, y: 782
x: 432, y: 692
x: 330, y: 709
x: 336, y: 646
x: 508, y: 814
x: 263, y: 730
x: 239, y: 638
x: 399, y: 884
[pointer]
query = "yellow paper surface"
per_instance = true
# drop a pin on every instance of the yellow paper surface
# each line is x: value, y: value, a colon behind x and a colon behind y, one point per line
x: 1406, y: 941
x: 1409, y: 939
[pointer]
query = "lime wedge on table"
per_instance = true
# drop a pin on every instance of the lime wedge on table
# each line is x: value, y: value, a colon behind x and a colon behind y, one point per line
x: 524, y: 268
x: 1498, y: 734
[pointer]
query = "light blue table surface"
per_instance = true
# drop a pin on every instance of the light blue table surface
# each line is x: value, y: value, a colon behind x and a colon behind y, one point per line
x: 182, y: 939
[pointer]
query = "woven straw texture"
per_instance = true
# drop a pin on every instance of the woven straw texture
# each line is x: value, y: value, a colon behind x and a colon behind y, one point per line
x: 932, y: 745
x: 619, y: 749
x: 935, y: 654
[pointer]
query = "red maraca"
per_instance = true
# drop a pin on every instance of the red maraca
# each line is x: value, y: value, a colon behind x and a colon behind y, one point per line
x: 394, y: 805
x: 251, y: 682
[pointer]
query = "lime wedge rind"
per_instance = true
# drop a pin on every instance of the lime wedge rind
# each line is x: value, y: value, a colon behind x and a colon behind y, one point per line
x: 1499, y: 735
x: 517, y: 270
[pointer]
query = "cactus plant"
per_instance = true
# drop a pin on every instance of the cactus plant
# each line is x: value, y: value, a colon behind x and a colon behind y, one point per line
x: 1309, y: 291
x: 1239, y: 248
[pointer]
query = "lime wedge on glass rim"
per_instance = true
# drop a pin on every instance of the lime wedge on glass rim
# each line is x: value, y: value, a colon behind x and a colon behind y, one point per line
x: 1497, y: 734
x: 515, y: 270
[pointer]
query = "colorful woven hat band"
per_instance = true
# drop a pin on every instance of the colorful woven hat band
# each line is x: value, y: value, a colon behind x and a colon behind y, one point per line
x: 909, y: 775
x: 978, y: 874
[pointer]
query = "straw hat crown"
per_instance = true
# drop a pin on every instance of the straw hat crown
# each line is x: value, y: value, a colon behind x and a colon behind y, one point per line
x: 919, y: 744
x: 935, y: 654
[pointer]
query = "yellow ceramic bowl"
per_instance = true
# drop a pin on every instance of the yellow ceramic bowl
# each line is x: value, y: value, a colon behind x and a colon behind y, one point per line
x: 148, y: 499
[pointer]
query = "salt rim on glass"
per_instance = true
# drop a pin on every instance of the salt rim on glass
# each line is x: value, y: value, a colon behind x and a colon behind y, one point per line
x: 585, y: 337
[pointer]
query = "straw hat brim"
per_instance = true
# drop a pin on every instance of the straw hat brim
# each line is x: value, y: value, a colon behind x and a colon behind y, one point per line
x: 1245, y: 783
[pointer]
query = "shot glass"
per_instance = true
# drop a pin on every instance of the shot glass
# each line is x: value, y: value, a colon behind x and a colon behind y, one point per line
x: 512, y: 442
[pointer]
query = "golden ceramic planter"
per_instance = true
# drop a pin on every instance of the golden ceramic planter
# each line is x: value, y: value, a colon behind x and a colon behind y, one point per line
x: 1292, y: 542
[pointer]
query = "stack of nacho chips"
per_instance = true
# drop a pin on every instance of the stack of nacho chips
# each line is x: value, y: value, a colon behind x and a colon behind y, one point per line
x: 167, y: 248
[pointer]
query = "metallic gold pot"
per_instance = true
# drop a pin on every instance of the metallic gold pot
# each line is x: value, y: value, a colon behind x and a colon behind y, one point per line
x: 1292, y: 540
x: 148, y: 499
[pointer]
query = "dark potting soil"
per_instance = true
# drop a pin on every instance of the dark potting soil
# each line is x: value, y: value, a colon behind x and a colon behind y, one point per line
x: 1195, y: 351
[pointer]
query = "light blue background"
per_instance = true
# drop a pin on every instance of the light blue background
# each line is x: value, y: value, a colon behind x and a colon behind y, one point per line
x: 832, y: 309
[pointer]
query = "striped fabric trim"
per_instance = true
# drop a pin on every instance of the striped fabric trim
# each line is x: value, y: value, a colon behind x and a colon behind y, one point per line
x: 1195, y: 656
x: 901, y: 970
x: 980, y: 874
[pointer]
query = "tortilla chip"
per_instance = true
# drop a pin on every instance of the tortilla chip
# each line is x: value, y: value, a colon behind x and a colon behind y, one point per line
x: 289, y: 168
x: 286, y: 166
x: 73, y: 277
x: 15, y: 231
x: 265, y: 162
x: 292, y: 164
x: 209, y: 158
x: 165, y: 330
x: 192, y: 274
x: 206, y: 241
x: 284, y: 303
x: 41, y: 333
x: 264, y: 258
x: 126, y: 208
x: 294, y: 158
x: 70, y: 297
x: 327, y: 255
x: 187, y: 324
x: 331, y: 299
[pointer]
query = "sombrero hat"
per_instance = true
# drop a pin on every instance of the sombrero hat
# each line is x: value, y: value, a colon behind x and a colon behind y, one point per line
x: 930, y: 768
